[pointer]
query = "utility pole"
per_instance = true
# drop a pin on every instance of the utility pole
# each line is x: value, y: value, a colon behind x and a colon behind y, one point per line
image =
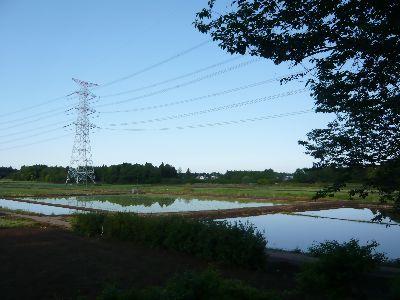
x: 81, y: 169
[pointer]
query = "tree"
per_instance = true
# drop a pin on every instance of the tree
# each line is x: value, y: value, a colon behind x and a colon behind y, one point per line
x: 6, y: 171
x: 350, y: 53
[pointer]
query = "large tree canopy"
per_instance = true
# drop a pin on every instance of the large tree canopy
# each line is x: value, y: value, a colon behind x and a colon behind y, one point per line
x: 350, y: 50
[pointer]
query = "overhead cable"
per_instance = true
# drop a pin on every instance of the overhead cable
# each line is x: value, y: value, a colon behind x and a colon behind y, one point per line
x: 30, y: 135
x: 48, y: 112
x: 182, y: 53
x: 215, y: 109
x: 34, y: 143
x: 34, y: 129
x: 202, y: 44
x: 189, y: 100
x: 172, y: 79
x: 208, y: 76
x: 205, y: 125
x: 32, y: 107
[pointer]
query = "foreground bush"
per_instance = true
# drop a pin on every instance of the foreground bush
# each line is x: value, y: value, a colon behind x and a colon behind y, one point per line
x: 208, y: 285
x: 340, y: 271
x: 235, y: 244
x: 395, y: 289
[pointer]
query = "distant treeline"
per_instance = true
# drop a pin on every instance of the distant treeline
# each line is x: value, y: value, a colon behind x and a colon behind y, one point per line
x: 127, y: 173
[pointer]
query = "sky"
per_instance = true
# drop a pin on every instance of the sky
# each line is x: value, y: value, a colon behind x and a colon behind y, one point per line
x: 165, y: 90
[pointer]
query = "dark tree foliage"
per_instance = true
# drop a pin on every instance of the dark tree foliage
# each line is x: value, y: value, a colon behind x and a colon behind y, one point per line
x: 147, y: 173
x: 352, y: 52
x: 267, y: 176
x: 41, y: 173
x: 6, y: 172
x: 135, y: 173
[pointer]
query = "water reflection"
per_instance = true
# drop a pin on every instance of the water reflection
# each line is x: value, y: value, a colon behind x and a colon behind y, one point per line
x: 142, y: 204
x: 289, y: 232
x: 351, y: 214
x: 37, y: 208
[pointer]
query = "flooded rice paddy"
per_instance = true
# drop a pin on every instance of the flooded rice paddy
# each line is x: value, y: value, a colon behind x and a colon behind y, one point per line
x: 296, y: 231
x: 140, y: 204
x: 36, y: 208
x: 299, y: 231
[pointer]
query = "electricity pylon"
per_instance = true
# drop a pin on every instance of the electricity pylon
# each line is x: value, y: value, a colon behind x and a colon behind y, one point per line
x: 81, y: 169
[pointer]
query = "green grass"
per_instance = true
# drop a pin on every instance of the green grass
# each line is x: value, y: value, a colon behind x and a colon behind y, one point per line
x: 8, y: 222
x: 284, y: 191
x: 35, y: 189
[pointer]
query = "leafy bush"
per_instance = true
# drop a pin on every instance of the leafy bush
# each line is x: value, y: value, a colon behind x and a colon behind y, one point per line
x: 395, y: 289
x: 88, y: 224
x: 235, y: 244
x: 188, y: 286
x: 340, y: 270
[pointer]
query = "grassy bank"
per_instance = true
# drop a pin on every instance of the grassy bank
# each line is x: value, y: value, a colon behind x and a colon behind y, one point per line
x: 10, y: 222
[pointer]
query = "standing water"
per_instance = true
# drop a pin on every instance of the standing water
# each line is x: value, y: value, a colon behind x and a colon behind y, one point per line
x: 301, y: 230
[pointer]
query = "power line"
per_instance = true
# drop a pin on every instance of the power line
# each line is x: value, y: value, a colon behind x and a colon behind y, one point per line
x: 31, y: 107
x: 31, y: 129
x: 216, y: 109
x: 172, y: 79
x: 205, y: 125
x: 155, y: 65
x: 185, y: 101
x: 126, y: 92
x: 55, y: 112
x: 182, y: 53
x: 189, y: 100
x: 34, y: 143
x: 33, y: 121
x: 141, y: 88
x: 61, y: 111
x: 208, y: 76
x: 48, y: 114
x: 34, y: 115
x: 31, y: 135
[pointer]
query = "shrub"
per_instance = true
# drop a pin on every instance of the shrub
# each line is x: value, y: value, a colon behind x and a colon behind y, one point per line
x: 208, y: 285
x: 340, y: 270
x: 88, y: 224
x: 235, y: 244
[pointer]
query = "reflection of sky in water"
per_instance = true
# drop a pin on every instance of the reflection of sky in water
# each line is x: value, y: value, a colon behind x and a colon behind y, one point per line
x: 176, y: 205
x: 36, y: 208
x: 292, y: 231
x: 363, y: 214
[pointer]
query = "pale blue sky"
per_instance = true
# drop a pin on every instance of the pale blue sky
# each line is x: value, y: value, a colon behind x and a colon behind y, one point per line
x: 46, y: 43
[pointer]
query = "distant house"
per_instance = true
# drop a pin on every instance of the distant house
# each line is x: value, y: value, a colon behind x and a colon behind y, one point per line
x: 287, y: 177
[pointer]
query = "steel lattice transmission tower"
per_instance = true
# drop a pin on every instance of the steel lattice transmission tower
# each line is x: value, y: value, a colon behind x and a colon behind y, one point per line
x: 81, y: 167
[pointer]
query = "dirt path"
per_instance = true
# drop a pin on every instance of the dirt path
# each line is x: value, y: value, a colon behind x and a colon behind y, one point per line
x: 57, y: 221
